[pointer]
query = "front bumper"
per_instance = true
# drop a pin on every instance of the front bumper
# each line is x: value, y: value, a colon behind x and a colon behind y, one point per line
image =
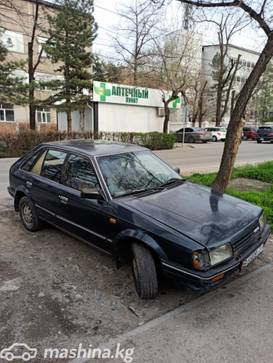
x: 205, y: 280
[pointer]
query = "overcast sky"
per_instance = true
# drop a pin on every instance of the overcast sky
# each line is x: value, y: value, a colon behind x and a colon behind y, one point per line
x: 107, y: 19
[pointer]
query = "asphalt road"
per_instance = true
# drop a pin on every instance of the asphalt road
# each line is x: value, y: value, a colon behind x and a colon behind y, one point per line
x: 207, y: 157
x: 192, y: 158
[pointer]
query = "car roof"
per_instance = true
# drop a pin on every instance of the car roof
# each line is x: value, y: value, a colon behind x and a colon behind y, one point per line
x: 94, y: 148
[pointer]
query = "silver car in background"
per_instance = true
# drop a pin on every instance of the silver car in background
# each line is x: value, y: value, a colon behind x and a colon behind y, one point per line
x: 217, y: 133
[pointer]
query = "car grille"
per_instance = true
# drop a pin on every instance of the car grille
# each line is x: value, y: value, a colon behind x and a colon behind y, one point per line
x: 244, y: 243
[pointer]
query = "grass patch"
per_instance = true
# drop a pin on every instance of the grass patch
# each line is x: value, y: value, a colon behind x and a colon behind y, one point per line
x: 262, y: 172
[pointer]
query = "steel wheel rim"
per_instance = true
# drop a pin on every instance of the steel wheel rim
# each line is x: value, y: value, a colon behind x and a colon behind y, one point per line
x: 27, y: 214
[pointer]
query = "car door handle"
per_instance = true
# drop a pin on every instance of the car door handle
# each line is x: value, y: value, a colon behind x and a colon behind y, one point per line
x: 28, y: 184
x: 63, y: 199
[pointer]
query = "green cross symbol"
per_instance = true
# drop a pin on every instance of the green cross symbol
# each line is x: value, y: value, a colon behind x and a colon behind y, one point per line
x: 176, y: 102
x: 103, y: 92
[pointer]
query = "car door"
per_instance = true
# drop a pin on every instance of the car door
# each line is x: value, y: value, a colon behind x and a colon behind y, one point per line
x: 44, y: 183
x: 188, y: 134
x: 89, y: 219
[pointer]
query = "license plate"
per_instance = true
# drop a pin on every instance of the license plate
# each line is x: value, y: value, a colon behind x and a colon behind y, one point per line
x: 254, y: 255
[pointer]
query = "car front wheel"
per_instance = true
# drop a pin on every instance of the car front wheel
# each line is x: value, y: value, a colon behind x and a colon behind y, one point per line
x: 259, y: 141
x: 29, y: 215
x: 144, y: 272
x: 214, y: 138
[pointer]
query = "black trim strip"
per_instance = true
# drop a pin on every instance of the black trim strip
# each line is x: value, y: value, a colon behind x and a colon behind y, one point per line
x: 197, y: 276
x: 73, y: 223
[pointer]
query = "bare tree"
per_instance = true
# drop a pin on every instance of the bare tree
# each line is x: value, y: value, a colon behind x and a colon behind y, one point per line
x: 134, y: 36
x: 196, y: 100
x: 261, y: 13
x: 174, y: 57
x: 225, y: 67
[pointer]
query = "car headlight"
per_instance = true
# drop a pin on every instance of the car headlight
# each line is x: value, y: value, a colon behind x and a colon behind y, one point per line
x: 220, y: 254
x: 262, y: 222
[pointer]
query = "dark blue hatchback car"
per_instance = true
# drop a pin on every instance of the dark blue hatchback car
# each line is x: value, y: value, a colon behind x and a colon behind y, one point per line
x: 126, y: 201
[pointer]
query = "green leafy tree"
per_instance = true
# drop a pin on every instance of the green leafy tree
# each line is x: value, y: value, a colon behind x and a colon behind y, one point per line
x: 12, y: 88
x: 72, y: 31
x: 108, y: 71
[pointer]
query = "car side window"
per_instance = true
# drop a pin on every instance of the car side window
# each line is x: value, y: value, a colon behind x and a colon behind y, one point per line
x: 37, y: 166
x: 28, y: 164
x: 52, y: 165
x: 79, y: 173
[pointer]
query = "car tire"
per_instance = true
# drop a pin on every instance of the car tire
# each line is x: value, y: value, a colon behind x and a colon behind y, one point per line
x: 259, y: 141
x: 29, y: 215
x: 214, y: 138
x: 144, y: 272
x: 26, y: 357
x: 9, y: 357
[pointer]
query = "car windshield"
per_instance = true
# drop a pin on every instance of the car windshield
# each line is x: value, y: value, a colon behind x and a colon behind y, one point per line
x: 134, y: 172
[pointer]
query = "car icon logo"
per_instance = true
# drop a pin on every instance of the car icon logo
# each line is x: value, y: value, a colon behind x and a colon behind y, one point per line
x: 18, y: 351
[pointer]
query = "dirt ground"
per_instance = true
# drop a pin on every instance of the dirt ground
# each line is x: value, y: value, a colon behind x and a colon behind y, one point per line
x: 58, y: 292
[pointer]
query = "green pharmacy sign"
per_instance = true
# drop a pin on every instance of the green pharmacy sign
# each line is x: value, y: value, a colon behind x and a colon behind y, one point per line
x: 121, y: 94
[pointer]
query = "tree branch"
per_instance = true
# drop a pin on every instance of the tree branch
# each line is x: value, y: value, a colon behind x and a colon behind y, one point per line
x: 236, y: 3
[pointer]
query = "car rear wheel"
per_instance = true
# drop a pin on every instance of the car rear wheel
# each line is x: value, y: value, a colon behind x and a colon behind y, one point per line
x: 259, y: 141
x: 144, y: 272
x: 214, y: 138
x: 29, y: 215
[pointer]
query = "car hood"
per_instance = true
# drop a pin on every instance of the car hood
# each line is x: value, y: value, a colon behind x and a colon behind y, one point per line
x: 207, y: 217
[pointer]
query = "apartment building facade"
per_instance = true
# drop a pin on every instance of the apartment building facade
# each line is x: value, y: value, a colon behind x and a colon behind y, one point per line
x: 248, y: 59
x: 16, y: 24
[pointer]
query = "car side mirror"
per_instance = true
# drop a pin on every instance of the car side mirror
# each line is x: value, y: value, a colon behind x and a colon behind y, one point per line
x: 177, y: 170
x: 91, y: 193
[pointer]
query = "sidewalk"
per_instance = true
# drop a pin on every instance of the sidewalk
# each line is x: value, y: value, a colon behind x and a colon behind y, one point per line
x: 232, y: 324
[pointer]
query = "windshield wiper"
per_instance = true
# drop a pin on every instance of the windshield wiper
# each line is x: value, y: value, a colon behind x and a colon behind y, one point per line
x: 142, y: 191
x: 171, y: 181
x: 154, y: 189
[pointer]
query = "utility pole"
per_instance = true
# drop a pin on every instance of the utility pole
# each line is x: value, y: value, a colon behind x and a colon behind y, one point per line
x: 31, y: 70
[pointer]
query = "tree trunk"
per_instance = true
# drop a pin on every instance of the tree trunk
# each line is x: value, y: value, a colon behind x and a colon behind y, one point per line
x: 166, y: 117
x: 235, y: 125
x: 69, y: 121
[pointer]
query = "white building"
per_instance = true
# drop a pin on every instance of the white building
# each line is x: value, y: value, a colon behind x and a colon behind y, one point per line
x: 123, y: 108
x: 247, y: 62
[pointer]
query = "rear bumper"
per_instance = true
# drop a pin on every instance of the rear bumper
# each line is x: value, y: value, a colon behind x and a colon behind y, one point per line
x: 264, y: 138
x: 205, y: 280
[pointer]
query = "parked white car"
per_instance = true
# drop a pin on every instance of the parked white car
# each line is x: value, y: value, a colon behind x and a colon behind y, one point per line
x: 217, y: 133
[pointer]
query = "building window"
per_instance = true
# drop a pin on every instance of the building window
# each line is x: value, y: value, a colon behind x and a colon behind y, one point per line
x: 13, y: 41
x: 6, y: 112
x: 41, y: 42
x: 43, y: 115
